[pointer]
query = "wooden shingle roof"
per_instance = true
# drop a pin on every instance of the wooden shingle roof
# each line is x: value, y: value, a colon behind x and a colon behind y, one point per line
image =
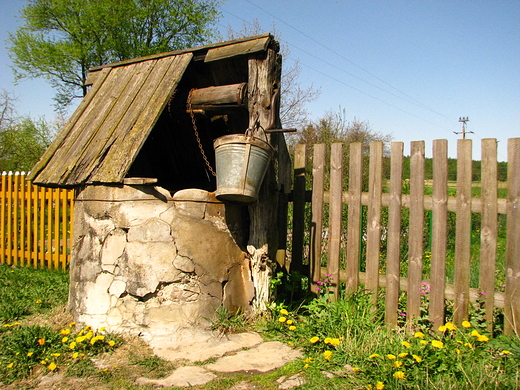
x: 104, y: 135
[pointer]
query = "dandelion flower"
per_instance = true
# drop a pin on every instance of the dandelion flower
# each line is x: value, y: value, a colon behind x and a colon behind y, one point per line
x: 289, y: 322
x: 102, y: 329
x: 284, y: 312
x: 41, y: 341
x: 55, y: 354
x: 505, y: 352
x: 282, y: 319
x: 442, y: 328
x: 38, y: 301
x: 391, y: 357
x: 111, y: 343
x: 65, y: 331
x: 468, y: 345
x: 466, y: 324
x: 373, y: 356
x: 418, y: 359
x: 65, y: 339
x: 308, y: 360
x: 437, y: 344
x: 482, y: 338
x: 405, y: 344
x: 457, y: 351
x: 399, y: 375
x: 306, y: 366
x: 397, y: 364
x: 327, y: 355
x: 419, y: 335
x: 72, y: 345
x: 335, y: 341
x: 402, y: 355
x: 292, y: 327
x: 450, y: 326
x: 314, y: 339
x: 72, y: 324
x: 10, y: 365
x: 29, y: 354
x: 52, y: 366
x: 74, y: 355
x: 475, y: 333
x: 356, y: 369
x: 327, y: 340
x: 423, y: 342
x: 380, y: 385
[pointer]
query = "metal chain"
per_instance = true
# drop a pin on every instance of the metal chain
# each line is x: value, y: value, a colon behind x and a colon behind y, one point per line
x: 197, y: 135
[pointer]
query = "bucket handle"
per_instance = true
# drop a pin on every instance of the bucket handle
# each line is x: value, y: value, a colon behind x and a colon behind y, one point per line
x: 249, y: 132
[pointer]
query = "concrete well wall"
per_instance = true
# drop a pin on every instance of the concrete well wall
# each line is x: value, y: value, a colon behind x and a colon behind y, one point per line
x: 143, y: 259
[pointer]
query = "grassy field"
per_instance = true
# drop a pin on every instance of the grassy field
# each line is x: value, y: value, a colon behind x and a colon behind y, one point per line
x: 345, y: 344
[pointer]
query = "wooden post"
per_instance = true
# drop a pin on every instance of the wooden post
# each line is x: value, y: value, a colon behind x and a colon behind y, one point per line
x: 336, y: 205
x: 354, y: 216
x: 415, y: 246
x: 489, y: 226
x: 439, y: 231
x: 318, y: 178
x: 512, y: 296
x: 298, y: 229
x: 394, y: 234
x: 463, y: 230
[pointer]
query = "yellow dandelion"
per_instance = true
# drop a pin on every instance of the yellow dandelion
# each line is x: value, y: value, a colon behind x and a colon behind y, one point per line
x: 314, y: 339
x: 327, y: 340
x: 52, y: 366
x: 284, y: 312
x: 402, y: 355
x: 373, y: 356
x: 406, y: 344
x: 74, y: 355
x: 482, y: 338
x: 335, y: 341
x: 419, y: 335
x: 437, y: 344
x: 72, y: 345
x: 327, y: 355
x: 29, y: 354
x: 289, y: 322
x: 468, y: 345
x: 10, y: 365
x: 457, y: 351
x: 391, y: 357
x: 111, y: 343
x: 450, y: 326
x: 397, y: 364
x: 399, y: 375
x: 380, y: 385
x: 442, y: 328
x: 424, y: 342
x: 282, y: 319
x: 466, y: 324
x: 41, y: 341
x: 308, y: 360
x: 475, y: 333
x: 38, y: 301
x: 306, y: 366
x: 72, y: 324
x: 505, y: 352
x: 65, y: 339
x: 55, y: 354
x: 65, y: 331
x: 292, y: 327
x: 356, y: 369
x: 418, y: 359
x: 102, y: 329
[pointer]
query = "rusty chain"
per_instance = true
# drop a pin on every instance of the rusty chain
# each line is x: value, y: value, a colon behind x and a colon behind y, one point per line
x: 197, y: 135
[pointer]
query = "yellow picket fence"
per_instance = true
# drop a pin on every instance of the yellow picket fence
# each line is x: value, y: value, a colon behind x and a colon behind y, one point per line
x: 35, y: 223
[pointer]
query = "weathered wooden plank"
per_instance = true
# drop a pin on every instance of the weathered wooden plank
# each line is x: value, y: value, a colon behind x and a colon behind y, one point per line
x: 394, y: 233
x: 241, y: 48
x: 354, y: 216
x: 105, y: 135
x: 116, y: 164
x: 375, y: 188
x: 298, y: 231
x: 39, y: 174
x: 416, y: 228
x: 439, y: 231
x: 463, y: 230
x: 489, y: 226
x: 318, y: 179
x: 512, y: 293
x: 92, y: 78
x: 222, y: 94
x: 94, y: 115
x: 336, y: 205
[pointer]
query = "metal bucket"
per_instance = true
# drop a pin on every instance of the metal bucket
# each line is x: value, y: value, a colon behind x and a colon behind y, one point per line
x: 241, y: 163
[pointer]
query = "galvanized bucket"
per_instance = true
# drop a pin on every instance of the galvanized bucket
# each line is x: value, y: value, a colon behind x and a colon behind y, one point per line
x: 241, y: 162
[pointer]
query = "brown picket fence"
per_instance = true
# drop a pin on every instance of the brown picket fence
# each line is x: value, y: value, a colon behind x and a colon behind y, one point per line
x: 339, y: 245
x: 35, y: 223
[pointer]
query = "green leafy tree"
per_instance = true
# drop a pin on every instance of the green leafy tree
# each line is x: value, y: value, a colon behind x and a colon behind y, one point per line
x: 61, y: 39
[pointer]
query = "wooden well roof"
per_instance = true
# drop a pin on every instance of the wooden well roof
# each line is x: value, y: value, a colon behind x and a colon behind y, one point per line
x: 106, y: 132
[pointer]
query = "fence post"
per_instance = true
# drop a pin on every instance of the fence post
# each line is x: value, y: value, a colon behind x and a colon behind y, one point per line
x: 298, y: 228
x: 318, y: 174
x: 439, y: 231
x: 489, y: 226
x: 512, y: 295
x: 354, y: 216
x: 394, y: 234
x: 336, y: 205
x: 375, y: 189
x: 463, y: 230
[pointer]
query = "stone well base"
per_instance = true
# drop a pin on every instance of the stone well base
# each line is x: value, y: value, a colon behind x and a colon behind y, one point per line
x: 143, y: 259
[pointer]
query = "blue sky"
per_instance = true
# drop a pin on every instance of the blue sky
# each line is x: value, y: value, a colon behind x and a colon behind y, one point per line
x: 409, y: 68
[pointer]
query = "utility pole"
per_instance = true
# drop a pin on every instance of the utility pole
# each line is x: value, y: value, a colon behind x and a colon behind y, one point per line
x: 464, y: 131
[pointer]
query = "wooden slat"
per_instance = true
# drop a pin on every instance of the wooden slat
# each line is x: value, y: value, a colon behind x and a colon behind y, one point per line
x: 354, y: 217
x: 336, y: 205
x: 116, y: 164
x: 489, y: 226
x: 15, y: 220
x: 298, y: 230
x: 9, y: 256
x: 3, y: 204
x: 56, y: 239
x: 318, y: 179
x: 415, y: 243
x: 247, y: 47
x: 463, y: 231
x: 38, y: 173
x: 375, y: 188
x: 512, y: 293
x: 41, y: 227
x: 394, y: 234
x: 93, y: 152
x: 439, y: 231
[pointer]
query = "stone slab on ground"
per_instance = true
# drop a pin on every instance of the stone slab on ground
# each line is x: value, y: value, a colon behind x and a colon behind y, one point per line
x: 181, y: 377
x: 263, y: 358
